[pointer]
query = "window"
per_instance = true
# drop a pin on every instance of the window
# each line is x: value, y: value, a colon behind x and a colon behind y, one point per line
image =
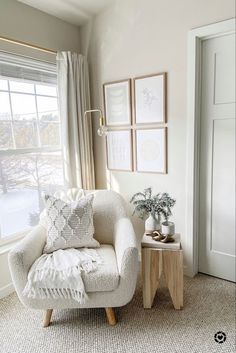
x: 30, y: 148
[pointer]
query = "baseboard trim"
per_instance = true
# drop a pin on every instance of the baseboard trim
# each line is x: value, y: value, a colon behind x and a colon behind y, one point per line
x: 6, y: 290
x: 188, y: 272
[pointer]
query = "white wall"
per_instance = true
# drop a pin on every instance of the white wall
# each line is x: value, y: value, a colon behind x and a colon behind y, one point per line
x: 138, y: 37
x: 21, y: 22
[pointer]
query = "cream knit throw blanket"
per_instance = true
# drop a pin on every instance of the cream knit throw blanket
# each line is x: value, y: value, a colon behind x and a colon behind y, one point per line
x: 58, y: 275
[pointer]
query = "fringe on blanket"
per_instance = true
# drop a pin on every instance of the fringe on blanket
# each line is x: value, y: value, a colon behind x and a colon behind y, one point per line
x: 74, y: 288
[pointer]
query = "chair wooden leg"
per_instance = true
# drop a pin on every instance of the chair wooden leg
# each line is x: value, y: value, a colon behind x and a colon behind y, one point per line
x: 110, y: 316
x: 47, y: 317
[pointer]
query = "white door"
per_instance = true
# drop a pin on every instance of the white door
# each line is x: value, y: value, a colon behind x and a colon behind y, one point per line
x: 217, y: 158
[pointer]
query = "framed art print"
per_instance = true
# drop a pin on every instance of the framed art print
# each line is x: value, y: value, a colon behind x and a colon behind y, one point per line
x: 151, y: 154
x: 150, y: 99
x: 119, y: 150
x: 117, y: 103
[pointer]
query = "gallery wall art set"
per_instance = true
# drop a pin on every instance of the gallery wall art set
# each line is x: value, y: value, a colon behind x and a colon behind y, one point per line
x: 136, y: 117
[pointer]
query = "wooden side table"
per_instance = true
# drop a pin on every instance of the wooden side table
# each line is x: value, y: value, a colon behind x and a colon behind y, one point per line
x: 158, y: 258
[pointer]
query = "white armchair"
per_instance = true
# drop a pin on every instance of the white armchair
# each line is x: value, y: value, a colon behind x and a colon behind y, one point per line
x: 112, y: 284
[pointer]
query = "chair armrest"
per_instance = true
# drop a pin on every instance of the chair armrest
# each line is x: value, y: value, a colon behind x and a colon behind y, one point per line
x: 125, y: 244
x: 23, y: 255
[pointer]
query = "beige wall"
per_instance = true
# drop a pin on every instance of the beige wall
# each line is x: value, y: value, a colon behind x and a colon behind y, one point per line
x: 138, y: 37
x: 24, y: 23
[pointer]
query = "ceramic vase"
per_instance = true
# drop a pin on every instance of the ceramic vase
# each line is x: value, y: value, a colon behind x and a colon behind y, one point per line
x: 168, y: 228
x: 152, y: 223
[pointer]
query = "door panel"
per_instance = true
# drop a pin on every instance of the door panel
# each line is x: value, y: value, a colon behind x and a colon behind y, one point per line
x: 217, y: 158
x: 224, y: 88
x: 223, y: 187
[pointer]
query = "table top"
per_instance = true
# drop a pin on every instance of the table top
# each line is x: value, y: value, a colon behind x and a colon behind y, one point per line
x: 148, y: 242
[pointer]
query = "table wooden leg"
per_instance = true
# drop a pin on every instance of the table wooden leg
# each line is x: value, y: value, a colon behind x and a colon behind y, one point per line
x: 151, y: 273
x: 173, y: 270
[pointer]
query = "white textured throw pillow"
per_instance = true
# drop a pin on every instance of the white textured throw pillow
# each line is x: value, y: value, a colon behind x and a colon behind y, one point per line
x: 69, y: 225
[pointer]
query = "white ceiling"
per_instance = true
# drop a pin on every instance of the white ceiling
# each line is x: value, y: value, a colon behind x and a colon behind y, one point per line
x: 76, y: 12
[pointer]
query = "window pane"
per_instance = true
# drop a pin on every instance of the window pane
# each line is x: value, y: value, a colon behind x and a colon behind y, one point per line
x: 49, y: 134
x: 21, y: 86
x: 49, y: 116
x: 25, y: 117
x: 5, y: 135
x: 46, y: 90
x: 17, y: 200
x: 5, y: 111
x: 3, y: 85
x: 50, y: 172
x: 46, y: 104
x: 25, y: 134
x: 23, y: 178
x: 22, y: 104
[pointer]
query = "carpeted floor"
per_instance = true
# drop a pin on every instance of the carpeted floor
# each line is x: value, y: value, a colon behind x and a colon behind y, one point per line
x: 208, y: 308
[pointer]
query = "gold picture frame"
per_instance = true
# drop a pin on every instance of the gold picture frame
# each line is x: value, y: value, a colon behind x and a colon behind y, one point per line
x: 150, y: 150
x: 119, y: 150
x: 117, y: 103
x: 150, y: 99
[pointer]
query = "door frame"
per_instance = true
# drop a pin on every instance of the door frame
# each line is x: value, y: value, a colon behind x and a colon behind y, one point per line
x: 195, y: 38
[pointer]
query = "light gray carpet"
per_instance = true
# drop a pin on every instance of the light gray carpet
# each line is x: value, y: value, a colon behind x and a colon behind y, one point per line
x: 208, y: 308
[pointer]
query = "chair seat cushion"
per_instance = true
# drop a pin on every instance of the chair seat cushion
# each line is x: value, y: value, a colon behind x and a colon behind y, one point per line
x: 106, y: 277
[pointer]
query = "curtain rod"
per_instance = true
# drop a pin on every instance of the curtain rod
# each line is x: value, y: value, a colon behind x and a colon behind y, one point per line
x: 28, y: 45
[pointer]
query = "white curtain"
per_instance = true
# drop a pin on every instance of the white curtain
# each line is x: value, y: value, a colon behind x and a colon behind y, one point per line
x: 73, y: 91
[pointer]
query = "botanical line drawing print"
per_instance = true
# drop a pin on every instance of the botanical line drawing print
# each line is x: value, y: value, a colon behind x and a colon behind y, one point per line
x: 148, y: 97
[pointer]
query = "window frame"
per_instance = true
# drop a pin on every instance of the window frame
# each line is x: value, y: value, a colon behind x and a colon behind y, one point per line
x: 7, y: 152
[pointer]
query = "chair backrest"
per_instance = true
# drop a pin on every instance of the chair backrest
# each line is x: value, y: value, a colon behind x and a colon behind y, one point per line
x: 108, y: 207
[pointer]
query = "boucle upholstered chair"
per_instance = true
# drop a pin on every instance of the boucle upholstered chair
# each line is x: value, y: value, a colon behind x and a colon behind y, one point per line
x: 112, y: 284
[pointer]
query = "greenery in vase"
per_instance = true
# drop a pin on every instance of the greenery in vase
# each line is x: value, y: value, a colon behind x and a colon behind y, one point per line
x: 159, y: 204
x: 166, y: 205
